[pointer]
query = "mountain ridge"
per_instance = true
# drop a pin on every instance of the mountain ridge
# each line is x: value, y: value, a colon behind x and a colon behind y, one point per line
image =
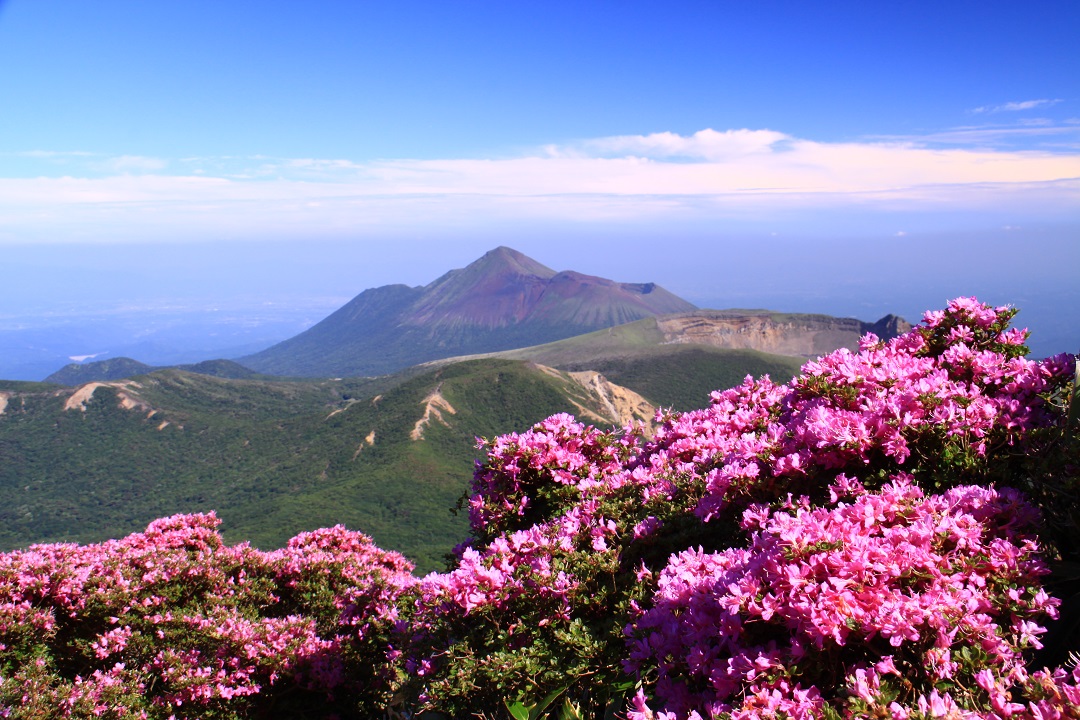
x: 506, y: 304
x: 503, y: 300
x: 120, y: 368
x: 795, y: 335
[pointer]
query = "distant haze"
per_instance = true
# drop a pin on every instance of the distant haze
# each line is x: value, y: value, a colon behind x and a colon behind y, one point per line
x: 173, y: 303
x: 192, y: 179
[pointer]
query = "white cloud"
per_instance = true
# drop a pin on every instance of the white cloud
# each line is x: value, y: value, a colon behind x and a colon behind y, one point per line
x: 705, y: 144
x: 1017, y: 106
x: 709, y: 176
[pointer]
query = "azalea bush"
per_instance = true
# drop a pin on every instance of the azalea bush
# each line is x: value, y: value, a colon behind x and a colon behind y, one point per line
x: 887, y: 605
x: 856, y: 542
x: 887, y: 535
x: 173, y: 623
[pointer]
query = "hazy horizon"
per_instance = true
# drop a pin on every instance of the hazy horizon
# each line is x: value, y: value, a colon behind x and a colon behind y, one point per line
x: 210, y: 177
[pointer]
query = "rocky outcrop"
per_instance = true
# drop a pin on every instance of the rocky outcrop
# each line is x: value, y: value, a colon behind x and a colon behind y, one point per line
x: 602, y: 401
x: 126, y: 396
x: 614, y: 404
x: 778, y: 333
x: 890, y: 326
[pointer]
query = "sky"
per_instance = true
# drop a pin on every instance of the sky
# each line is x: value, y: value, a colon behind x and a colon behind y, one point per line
x: 270, y: 160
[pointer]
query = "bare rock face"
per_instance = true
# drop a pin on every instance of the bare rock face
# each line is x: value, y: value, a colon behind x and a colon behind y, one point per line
x: 615, y: 404
x: 778, y: 333
x: 127, y: 396
x: 601, y: 401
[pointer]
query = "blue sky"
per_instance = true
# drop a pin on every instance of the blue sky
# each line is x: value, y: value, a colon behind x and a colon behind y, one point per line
x: 844, y: 157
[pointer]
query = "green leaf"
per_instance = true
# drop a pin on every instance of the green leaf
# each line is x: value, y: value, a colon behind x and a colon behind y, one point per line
x: 517, y: 710
x: 570, y: 711
x: 538, y: 710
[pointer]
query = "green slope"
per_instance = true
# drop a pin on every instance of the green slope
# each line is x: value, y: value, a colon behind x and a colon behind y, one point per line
x: 683, y: 376
x: 111, y: 369
x: 272, y: 458
x: 122, y: 367
x: 635, y: 355
x: 395, y: 488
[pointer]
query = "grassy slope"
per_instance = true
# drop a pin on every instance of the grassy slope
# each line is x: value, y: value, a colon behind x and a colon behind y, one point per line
x: 120, y: 368
x: 399, y: 490
x: 683, y: 376
x: 672, y: 375
x: 270, y: 457
x: 111, y: 369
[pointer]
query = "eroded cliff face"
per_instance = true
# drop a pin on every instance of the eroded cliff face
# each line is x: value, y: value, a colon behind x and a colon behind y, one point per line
x: 602, y: 401
x: 778, y: 333
x: 615, y: 404
x: 127, y: 396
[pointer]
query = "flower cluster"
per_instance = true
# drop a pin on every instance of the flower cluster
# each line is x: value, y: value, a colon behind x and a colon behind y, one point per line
x: 529, y: 477
x: 946, y: 402
x: 889, y: 598
x: 173, y: 623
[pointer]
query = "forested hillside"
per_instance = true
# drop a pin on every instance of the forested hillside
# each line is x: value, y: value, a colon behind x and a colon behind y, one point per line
x: 275, y: 457
x: 271, y: 458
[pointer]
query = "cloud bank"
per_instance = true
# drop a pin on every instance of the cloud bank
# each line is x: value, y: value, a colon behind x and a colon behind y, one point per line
x: 741, y: 175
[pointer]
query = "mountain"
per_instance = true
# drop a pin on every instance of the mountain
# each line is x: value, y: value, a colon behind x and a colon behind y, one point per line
x: 101, y: 370
x: 503, y: 300
x: 677, y: 360
x: 389, y: 456
x: 122, y: 367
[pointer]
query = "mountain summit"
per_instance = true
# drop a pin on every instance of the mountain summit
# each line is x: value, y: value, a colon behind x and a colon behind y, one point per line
x: 503, y: 300
x: 505, y: 288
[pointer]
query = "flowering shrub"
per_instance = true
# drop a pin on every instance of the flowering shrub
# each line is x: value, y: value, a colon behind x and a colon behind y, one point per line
x: 872, y: 539
x: 870, y: 606
x: 951, y: 402
x: 525, y: 613
x: 172, y: 623
x: 792, y: 602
